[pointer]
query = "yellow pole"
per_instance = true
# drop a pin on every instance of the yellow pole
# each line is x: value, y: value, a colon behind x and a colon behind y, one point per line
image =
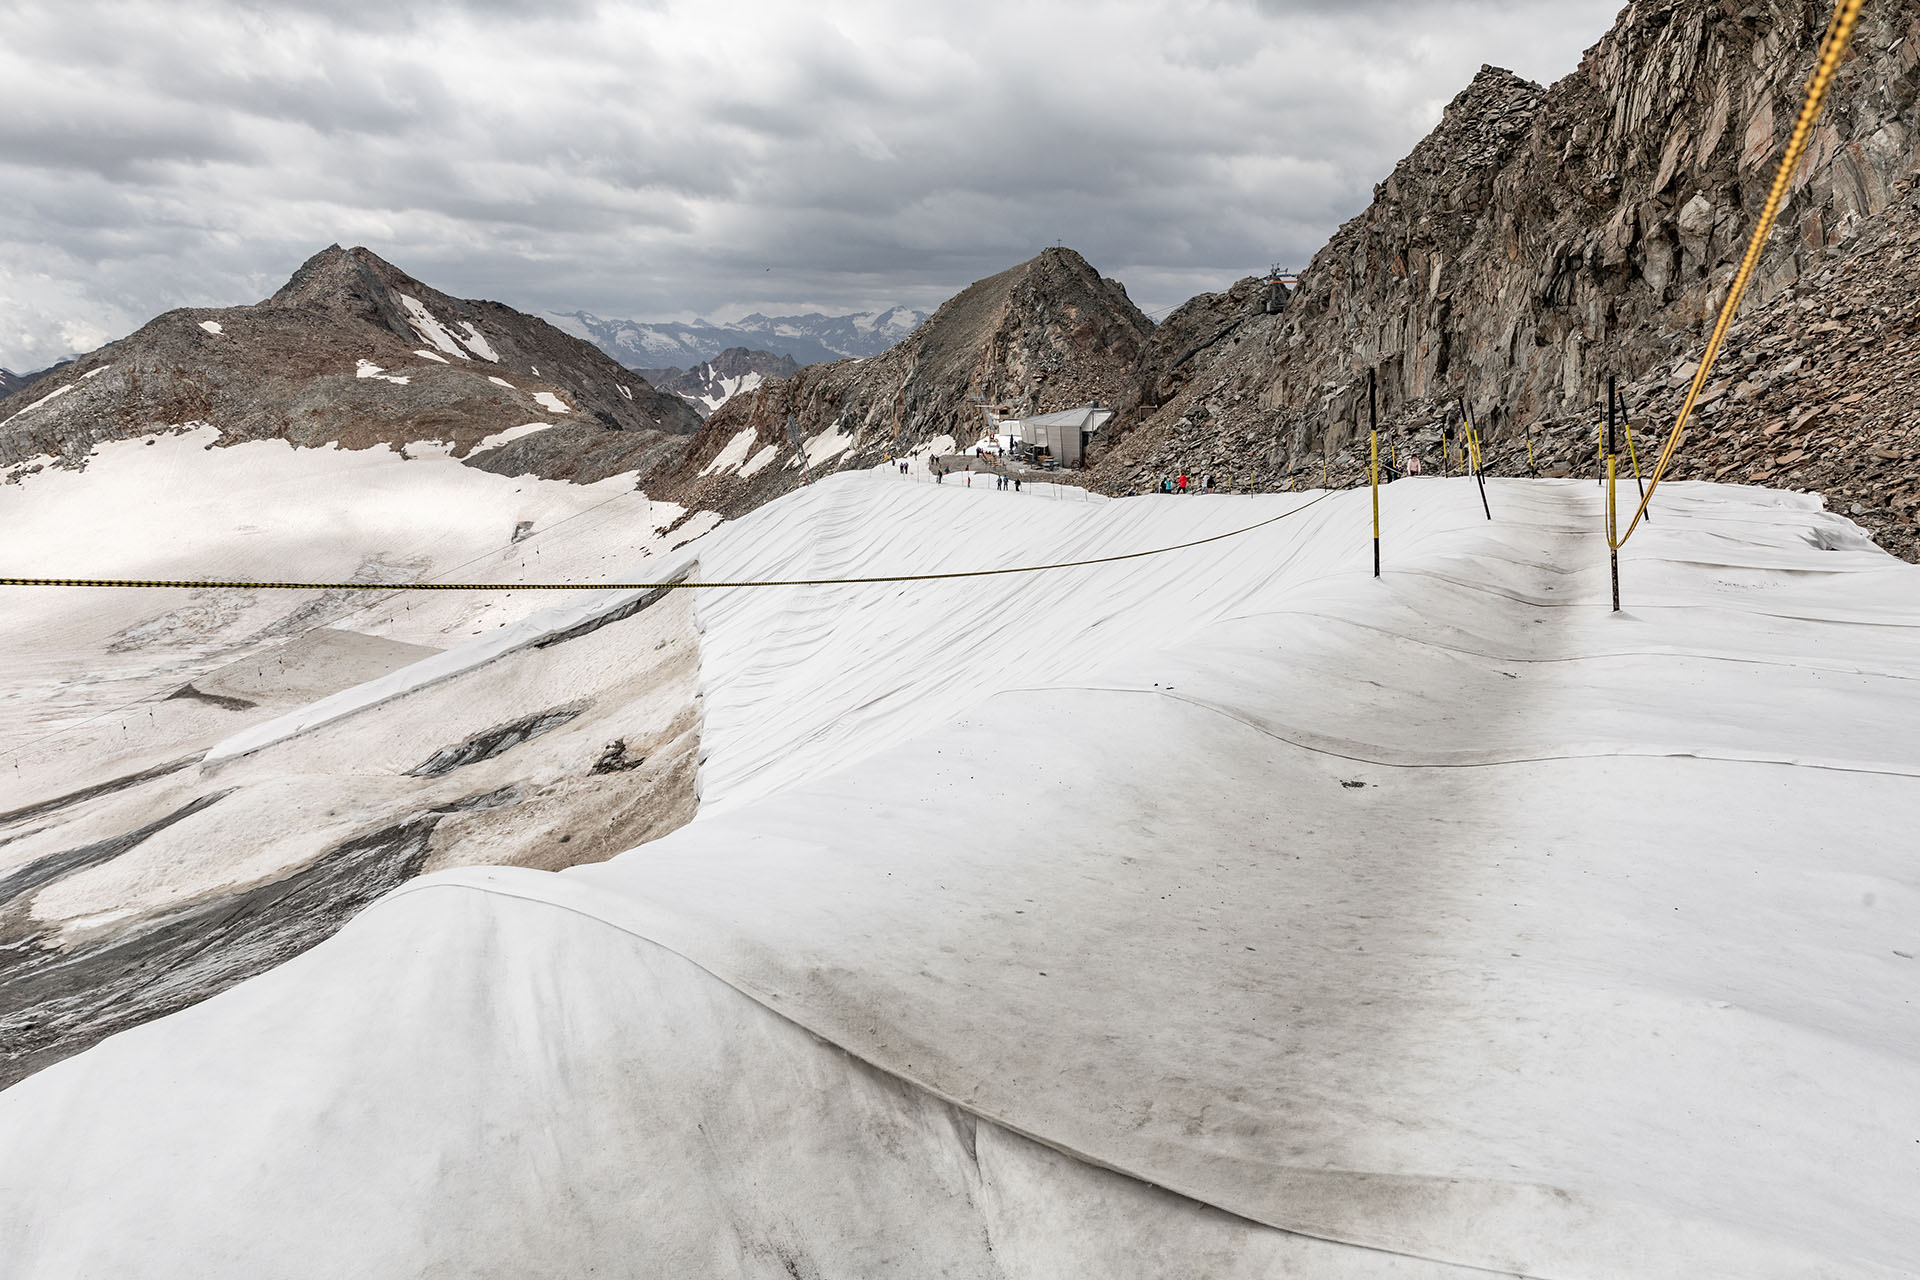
x: 1635, y: 459
x: 1473, y: 446
x: 1374, y: 436
x: 1613, y: 527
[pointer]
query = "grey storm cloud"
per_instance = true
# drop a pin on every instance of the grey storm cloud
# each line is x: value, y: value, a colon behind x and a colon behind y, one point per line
x: 671, y: 159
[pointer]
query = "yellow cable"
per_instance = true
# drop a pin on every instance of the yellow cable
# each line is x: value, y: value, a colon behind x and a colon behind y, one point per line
x: 1613, y: 515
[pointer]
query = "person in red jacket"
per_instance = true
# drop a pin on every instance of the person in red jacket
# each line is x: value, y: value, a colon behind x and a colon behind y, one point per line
x: 1183, y: 482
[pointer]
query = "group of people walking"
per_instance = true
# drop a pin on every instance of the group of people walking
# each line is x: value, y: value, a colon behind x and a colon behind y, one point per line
x: 1000, y: 481
x: 1183, y: 483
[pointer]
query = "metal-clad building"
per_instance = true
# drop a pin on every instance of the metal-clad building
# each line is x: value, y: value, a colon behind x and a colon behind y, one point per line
x: 1061, y: 436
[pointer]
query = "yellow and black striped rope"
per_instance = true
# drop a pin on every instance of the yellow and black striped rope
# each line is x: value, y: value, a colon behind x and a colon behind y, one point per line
x: 186, y: 584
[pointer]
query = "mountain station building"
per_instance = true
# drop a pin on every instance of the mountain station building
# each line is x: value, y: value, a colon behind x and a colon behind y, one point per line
x: 1057, y: 437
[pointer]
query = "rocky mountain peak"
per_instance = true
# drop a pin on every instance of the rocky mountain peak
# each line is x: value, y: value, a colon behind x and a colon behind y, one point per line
x: 359, y: 286
x: 1049, y: 333
x: 352, y: 283
x: 736, y: 361
x: 1483, y: 122
x: 1049, y: 329
x: 355, y: 351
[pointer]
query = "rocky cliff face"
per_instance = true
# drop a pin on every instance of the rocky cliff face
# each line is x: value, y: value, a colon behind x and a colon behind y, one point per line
x: 355, y: 351
x: 1539, y: 237
x: 712, y: 383
x: 1048, y: 334
x: 1818, y: 389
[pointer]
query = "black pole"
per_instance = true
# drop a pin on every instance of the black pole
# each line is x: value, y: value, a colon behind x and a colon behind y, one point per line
x: 1475, y: 455
x: 1599, y: 463
x: 1613, y: 552
x: 1613, y: 402
x: 1373, y: 434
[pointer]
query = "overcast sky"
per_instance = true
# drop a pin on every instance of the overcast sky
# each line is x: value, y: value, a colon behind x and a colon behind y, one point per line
x: 667, y: 159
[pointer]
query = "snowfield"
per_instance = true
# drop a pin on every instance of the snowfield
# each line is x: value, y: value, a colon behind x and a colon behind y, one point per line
x: 1227, y: 912
x: 80, y: 670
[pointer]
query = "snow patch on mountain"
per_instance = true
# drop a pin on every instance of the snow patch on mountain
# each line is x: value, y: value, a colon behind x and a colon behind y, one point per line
x: 829, y: 444
x: 429, y: 328
x: 478, y: 343
x: 499, y: 438
x: 733, y: 455
x: 368, y: 369
x: 727, y: 389
x: 760, y: 461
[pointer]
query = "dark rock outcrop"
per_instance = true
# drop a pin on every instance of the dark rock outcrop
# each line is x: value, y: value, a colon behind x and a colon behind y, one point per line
x: 354, y: 351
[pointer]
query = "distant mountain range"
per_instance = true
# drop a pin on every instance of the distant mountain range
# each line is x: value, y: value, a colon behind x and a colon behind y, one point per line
x: 809, y: 339
x: 712, y: 383
x: 11, y: 382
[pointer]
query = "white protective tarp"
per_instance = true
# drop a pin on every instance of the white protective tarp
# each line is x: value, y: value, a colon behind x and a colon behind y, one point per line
x: 1448, y: 918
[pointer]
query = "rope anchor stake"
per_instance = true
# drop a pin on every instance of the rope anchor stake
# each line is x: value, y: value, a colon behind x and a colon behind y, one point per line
x: 1613, y: 513
x: 1373, y: 444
